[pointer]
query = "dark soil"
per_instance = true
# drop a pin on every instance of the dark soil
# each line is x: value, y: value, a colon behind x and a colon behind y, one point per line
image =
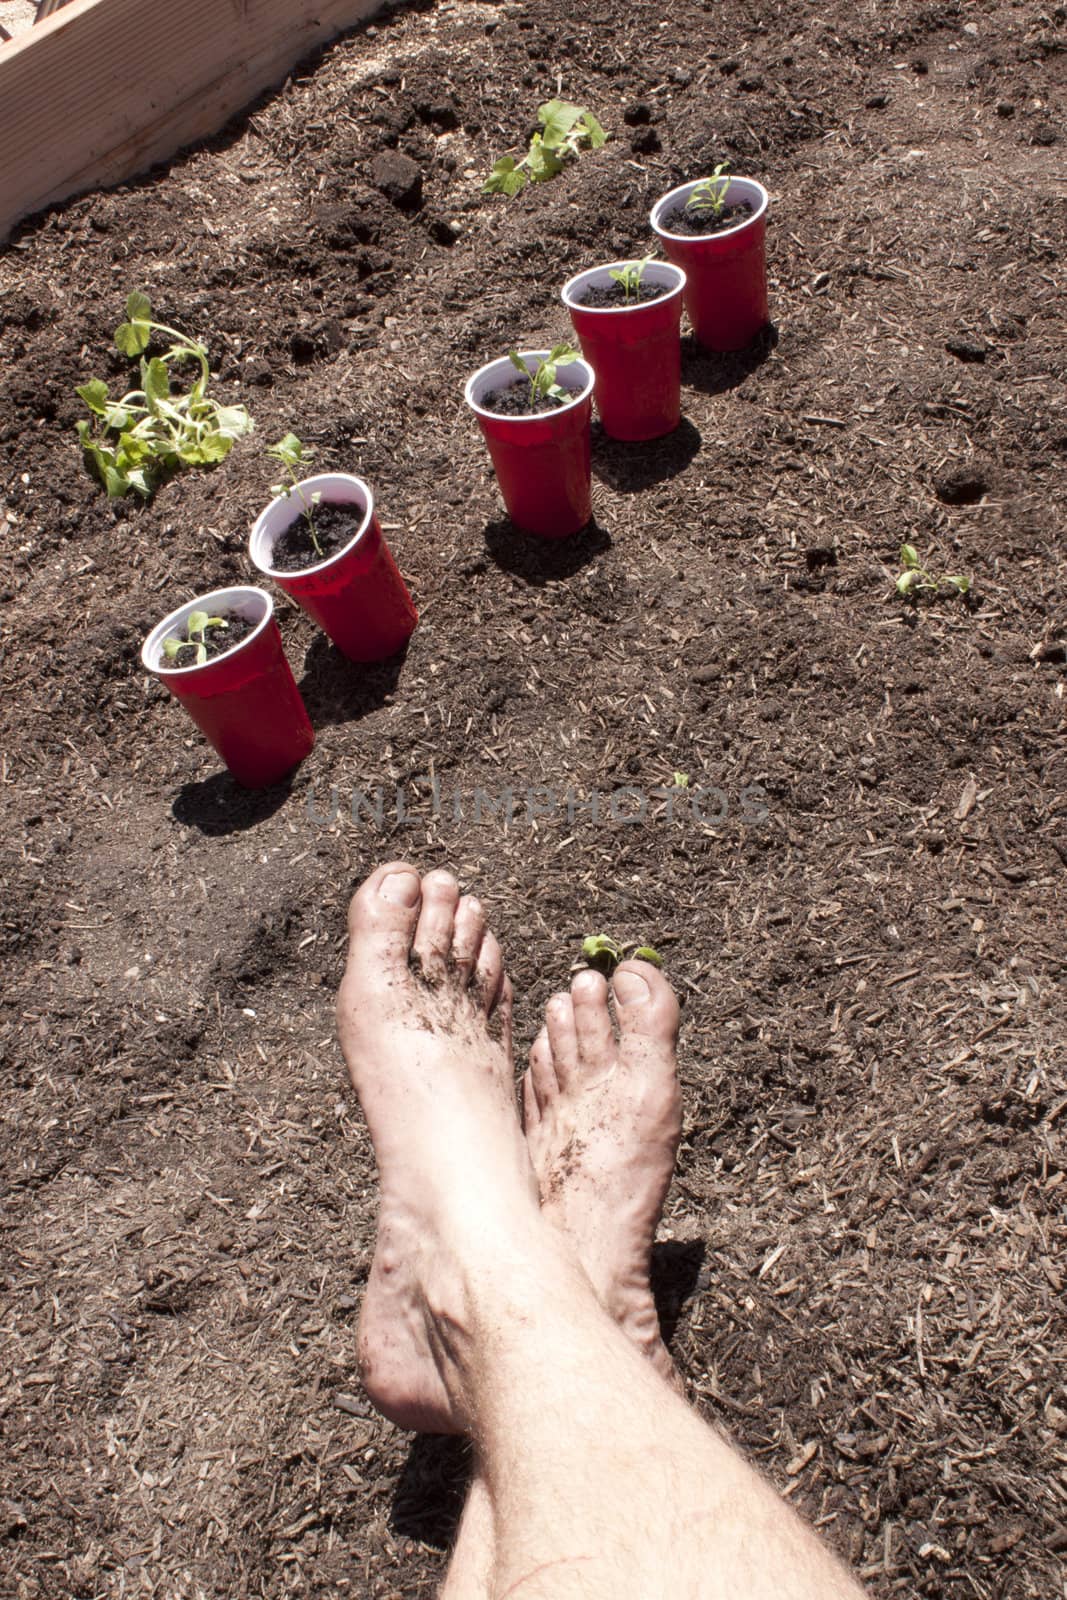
x: 335, y: 526
x: 698, y: 222
x: 615, y: 295
x: 514, y: 400
x: 859, y: 896
x: 216, y: 641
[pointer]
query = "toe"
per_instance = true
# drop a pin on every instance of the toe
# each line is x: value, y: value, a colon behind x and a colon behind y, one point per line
x: 489, y: 972
x: 382, y: 917
x: 467, y: 934
x: 645, y: 1003
x: 432, y: 943
x: 531, y: 1111
x: 541, y: 1082
x: 592, y: 1022
x: 562, y: 1038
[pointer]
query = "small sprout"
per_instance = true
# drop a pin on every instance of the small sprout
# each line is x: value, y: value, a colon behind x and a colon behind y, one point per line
x: 601, y: 951
x: 158, y: 430
x: 565, y: 130
x: 710, y: 193
x: 916, y: 579
x: 543, y: 385
x: 292, y: 453
x: 630, y: 277
x: 681, y: 780
x: 196, y: 626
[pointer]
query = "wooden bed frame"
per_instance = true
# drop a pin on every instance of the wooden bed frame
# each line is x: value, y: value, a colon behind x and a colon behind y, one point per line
x: 100, y: 89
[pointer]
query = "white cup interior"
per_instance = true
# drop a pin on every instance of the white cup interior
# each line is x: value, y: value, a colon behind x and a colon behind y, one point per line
x: 502, y: 373
x: 740, y: 189
x: 338, y: 488
x: 244, y: 600
x: 663, y: 272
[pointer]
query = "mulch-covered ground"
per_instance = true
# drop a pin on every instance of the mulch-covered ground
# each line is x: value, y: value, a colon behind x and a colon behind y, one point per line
x: 864, y: 1257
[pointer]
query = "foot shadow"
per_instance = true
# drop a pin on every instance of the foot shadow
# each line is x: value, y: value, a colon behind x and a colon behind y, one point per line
x: 718, y: 371
x: 629, y: 468
x: 676, y: 1268
x: 428, y: 1500
x: 219, y: 805
x: 338, y: 690
x: 539, y: 561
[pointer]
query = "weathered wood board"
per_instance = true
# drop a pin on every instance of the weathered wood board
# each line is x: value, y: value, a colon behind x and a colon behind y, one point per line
x: 103, y: 88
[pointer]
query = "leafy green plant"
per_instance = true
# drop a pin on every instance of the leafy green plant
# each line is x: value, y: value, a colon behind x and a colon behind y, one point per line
x: 601, y: 951
x: 710, y: 193
x: 543, y: 385
x: 138, y: 440
x: 293, y: 454
x: 565, y: 130
x: 915, y: 579
x: 629, y: 276
x: 681, y: 780
x: 196, y: 628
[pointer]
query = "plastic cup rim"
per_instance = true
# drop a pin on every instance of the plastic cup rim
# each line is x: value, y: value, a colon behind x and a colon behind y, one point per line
x: 308, y: 483
x: 152, y: 649
x: 724, y: 233
x: 566, y: 293
x: 541, y: 416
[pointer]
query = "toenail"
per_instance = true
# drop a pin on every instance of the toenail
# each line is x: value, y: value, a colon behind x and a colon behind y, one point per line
x: 630, y: 988
x: 401, y: 888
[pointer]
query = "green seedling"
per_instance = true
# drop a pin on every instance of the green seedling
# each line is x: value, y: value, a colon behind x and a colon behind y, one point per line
x: 565, y: 131
x: 136, y: 441
x: 630, y: 276
x: 710, y: 193
x: 917, y: 579
x: 681, y: 780
x: 196, y: 627
x: 293, y: 454
x: 543, y: 385
x: 601, y: 951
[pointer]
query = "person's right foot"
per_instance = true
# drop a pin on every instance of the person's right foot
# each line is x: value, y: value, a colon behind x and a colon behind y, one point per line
x: 603, y: 1121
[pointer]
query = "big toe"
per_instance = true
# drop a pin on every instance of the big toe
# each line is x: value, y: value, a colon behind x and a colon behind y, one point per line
x: 382, y: 919
x: 645, y: 1004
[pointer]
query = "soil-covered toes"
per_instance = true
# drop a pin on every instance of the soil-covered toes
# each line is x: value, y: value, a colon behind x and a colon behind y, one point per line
x: 603, y: 1120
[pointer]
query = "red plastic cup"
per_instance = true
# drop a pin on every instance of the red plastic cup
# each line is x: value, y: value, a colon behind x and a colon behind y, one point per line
x: 635, y: 351
x: 726, y: 289
x: 542, y: 463
x: 358, y: 596
x: 246, y: 702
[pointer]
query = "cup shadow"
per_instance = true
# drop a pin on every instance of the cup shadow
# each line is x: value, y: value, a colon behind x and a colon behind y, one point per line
x: 428, y: 1499
x: 218, y: 805
x: 336, y: 689
x: 629, y: 468
x: 540, y: 561
x: 718, y: 371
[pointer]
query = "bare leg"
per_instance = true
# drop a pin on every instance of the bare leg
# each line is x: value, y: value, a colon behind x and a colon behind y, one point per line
x: 600, y: 1480
x: 603, y: 1119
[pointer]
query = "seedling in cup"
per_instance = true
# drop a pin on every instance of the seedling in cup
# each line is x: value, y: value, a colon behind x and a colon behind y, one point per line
x: 293, y: 454
x: 565, y: 130
x: 196, y: 639
x: 603, y: 953
x: 629, y: 277
x: 543, y: 385
x: 917, y: 579
x: 138, y: 440
x: 710, y: 193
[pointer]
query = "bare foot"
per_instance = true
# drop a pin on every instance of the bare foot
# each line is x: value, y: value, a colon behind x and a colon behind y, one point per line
x: 603, y: 1120
x: 424, y: 1016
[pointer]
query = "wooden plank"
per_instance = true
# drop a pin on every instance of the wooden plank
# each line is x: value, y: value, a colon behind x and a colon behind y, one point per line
x: 103, y: 88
